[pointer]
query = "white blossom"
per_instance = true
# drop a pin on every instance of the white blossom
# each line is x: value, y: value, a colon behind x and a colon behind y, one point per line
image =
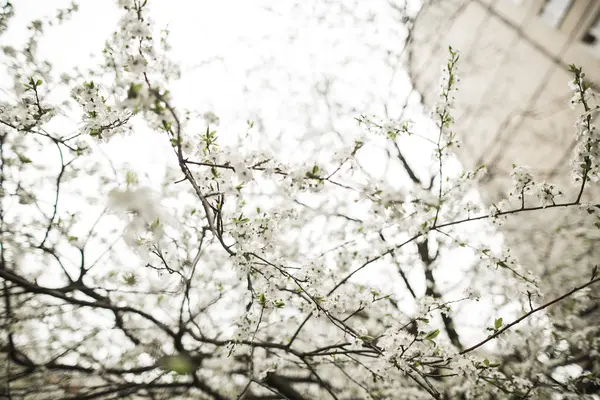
x: 242, y: 172
x: 141, y: 207
x: 522, y: 180
x: 546, y: 193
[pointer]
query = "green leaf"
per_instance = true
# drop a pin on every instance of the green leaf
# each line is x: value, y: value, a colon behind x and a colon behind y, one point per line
x: 130, y: 279
x: 432, y: 334
x: 573, y: 68
x: 489, y: 364
x: 154, y: 224
x: 498, y: 323
x: 180, y: 364
x: 24, y: 159
x: 131, y: 178
x: 366, y: 338
x: 134, y: 90
x: 262, y: 299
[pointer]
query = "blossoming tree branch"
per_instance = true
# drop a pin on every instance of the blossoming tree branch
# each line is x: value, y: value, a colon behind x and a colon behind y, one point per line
x: 223, y: 282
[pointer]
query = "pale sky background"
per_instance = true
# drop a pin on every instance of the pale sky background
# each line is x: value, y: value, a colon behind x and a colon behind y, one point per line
x: 242, y: 58
x: 266, y: 61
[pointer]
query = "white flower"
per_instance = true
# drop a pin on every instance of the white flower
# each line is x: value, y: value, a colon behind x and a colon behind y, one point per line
x: 133, y: 27
x: 145, y: 214
x: 497, y: 208
x: 521, y: 385
x: 575, y: 100
x: 137, y: 64
x: 546, y: 193
x: 82, y: 146
x: 465, y: 366
x: 522, y: 179
x: 100, y: 120
x: 211, y: 118
x: 126, y: 3
x: 243, y: 173
x: 573, y: 85
x: 587, y: 148
x: 264, y: 367
x: 396, y: 340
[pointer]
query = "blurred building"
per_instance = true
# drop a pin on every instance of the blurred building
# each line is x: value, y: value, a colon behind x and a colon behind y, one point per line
x: 513, y: 94
x: 512, y: 106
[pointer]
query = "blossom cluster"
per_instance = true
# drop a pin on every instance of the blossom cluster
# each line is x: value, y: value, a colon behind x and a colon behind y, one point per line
x: 277, y: 272
x: 146, y: 217
x: 524, y: 184
x: 586, y: 162
x: 29, y: 111
x: 101, y: 121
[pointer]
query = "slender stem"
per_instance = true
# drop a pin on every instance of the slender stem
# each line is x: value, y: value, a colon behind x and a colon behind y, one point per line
x: 527, y: 315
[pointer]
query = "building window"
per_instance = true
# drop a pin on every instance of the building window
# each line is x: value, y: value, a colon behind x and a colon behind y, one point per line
x: 555, y: 11
x: 592, y: 37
